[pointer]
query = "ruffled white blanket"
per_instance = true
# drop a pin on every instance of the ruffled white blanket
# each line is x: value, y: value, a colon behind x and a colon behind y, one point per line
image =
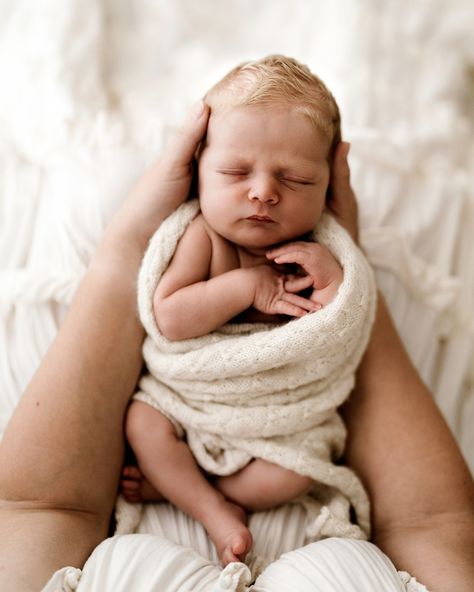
x: 263, y: 390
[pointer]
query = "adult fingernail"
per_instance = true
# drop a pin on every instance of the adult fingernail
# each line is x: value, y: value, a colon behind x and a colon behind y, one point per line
x: 348, y: 147
x: 197, y: 109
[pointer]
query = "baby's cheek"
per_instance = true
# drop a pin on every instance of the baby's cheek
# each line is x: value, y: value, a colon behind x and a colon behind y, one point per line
x: 214, y: 212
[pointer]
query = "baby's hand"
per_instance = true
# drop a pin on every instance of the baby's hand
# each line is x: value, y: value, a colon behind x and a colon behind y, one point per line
x: 273, y: 296
x: 323, y: 272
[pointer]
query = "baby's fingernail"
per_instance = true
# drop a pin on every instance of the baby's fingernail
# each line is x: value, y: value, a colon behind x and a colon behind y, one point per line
x: 198, y: 109
x: 277, y: 259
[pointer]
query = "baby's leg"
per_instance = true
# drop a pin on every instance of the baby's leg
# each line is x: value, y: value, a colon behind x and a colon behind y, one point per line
x: 262, y: 485
x: 168, y: 464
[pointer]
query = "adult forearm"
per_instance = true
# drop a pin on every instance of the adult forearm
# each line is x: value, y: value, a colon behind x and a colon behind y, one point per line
x: 158, y: 192
x: 438, y: 550
x: 67, y: 430
x: 68, y: 427
x: 404, y: 452
x: 101, y: 324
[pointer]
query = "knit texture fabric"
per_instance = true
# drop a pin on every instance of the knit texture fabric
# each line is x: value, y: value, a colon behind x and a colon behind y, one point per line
x: 262, y: 390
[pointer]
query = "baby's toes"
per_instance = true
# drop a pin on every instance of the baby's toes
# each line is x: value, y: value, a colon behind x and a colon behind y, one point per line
x: 239, y: 547
x: 130, y: 489
x: 131, y: 472
x: 228, y: 556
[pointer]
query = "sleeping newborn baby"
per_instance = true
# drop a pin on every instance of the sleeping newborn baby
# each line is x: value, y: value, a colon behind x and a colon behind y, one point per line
x: 257, y: 307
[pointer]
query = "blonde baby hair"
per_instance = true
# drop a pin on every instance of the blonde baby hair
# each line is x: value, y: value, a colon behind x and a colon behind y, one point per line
x: 277, y: 79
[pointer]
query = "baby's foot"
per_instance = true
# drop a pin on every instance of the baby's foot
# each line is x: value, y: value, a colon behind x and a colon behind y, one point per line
x: 135, y: 488
x: 227, y: 528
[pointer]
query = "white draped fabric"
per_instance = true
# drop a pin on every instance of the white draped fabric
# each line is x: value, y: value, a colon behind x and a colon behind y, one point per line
x: 178, y: 557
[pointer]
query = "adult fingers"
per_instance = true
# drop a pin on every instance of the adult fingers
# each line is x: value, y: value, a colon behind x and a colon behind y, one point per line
x: 340, y: 172
x: 342, y: 201
x: 180, y: 152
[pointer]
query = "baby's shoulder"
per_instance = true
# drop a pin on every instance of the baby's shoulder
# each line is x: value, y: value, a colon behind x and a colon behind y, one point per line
x: 199, y: 225
x: 223, y: 253
x: 196, y: 231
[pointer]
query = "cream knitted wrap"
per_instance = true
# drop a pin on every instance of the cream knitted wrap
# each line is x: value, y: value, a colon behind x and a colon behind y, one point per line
x: 263, y: 390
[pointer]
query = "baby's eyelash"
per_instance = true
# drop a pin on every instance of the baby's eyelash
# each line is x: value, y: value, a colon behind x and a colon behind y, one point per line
x: 232, y: 172
x: 300, y: 182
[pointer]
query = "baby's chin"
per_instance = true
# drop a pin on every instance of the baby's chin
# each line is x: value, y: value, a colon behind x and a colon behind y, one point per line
x: 265, y: 244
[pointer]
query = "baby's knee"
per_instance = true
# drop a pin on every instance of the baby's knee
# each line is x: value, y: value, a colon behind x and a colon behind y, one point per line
x: 143, y: 421
x: 279, y: 479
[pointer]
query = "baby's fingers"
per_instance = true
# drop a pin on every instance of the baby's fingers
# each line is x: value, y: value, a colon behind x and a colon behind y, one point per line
x: 296, y: 306
x: 296, y: 283
x: 295, y: 256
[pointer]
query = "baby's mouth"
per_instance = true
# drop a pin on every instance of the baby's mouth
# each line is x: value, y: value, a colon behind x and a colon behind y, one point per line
x: 261, y: 218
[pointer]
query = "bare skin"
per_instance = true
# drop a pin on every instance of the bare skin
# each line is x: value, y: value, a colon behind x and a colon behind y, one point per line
x: 50, y: 516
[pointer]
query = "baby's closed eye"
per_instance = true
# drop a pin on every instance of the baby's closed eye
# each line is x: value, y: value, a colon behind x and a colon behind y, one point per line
x: 298, y: 181
x: 233, y: 172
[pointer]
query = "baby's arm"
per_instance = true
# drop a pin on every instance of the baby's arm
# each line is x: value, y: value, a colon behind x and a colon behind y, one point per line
x: 323, y: 273
x: 187, y: 303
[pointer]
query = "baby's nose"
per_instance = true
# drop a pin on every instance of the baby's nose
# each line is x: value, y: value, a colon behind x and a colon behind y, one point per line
x: 264, y: 190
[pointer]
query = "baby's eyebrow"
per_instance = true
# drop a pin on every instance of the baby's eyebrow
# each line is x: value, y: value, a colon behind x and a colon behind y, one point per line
x: 234, y: 159
x: 233, y: 163
x: 307, y: 170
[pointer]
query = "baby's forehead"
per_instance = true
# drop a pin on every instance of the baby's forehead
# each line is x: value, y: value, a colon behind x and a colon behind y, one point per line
x: 238, y: 130
x: 225, y: 116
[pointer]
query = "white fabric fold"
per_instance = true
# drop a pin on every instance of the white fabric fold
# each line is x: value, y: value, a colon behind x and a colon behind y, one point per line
x: 150, y: 563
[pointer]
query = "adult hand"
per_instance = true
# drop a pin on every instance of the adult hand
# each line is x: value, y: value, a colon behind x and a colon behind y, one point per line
x: 167, y: 183
x: 176, y: 164
x: 158, y: 192
x: 342, y: 201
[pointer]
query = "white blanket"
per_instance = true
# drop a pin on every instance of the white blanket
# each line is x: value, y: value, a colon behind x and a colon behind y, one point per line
x: 264, y: 390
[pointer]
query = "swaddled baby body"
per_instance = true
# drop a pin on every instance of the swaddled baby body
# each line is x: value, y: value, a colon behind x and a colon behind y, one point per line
x: 243, y: 256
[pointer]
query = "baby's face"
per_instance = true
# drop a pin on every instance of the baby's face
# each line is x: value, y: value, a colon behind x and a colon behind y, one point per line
x: 263, y: 175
